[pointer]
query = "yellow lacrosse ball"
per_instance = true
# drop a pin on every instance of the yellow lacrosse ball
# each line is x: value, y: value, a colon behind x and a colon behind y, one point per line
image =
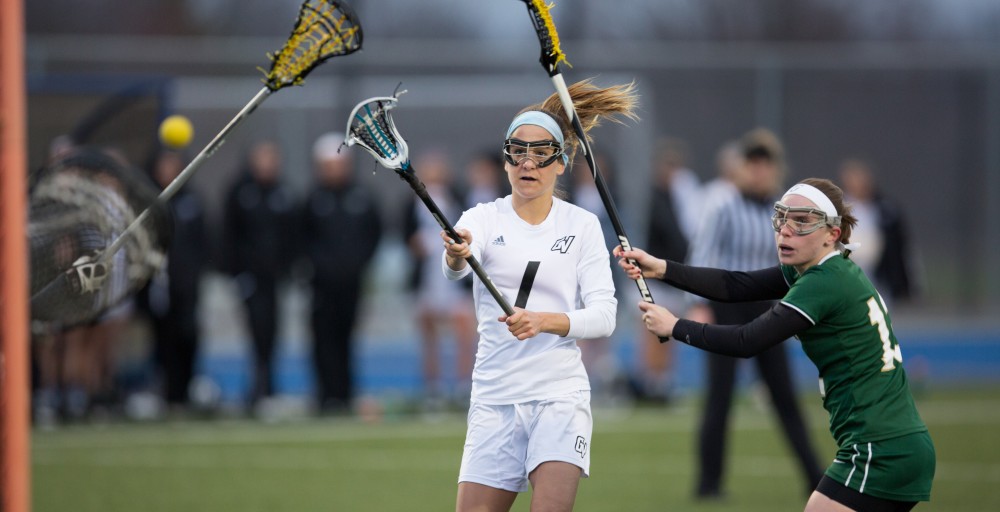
x: 176, y: 131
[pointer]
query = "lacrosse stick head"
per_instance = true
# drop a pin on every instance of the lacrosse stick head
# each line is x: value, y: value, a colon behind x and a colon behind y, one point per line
x: 324, y: 29
x: 545, y: 29
x: 77, y: 206
x: 370, y: 126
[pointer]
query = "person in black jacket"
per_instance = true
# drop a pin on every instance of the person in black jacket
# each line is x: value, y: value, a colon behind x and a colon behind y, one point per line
x: 259, y: 245
x: 171, y: 298
x: 341, y: 229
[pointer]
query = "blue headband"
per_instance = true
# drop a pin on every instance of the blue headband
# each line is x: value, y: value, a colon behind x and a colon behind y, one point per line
x: 539, y: 118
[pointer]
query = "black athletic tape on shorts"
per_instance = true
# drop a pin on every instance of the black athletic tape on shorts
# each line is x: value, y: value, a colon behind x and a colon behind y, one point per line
x: 526, y: 282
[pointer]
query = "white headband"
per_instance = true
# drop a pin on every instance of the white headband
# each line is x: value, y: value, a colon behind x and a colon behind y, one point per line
x: 816, y: 196
x: 538, y: 118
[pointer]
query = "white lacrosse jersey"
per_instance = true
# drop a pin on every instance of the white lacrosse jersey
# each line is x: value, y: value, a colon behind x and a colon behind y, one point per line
x: 558, y: 266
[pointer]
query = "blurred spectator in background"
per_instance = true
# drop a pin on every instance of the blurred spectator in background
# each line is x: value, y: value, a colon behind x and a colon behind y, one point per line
x: 485, y: 178
x: 729, y: 166
x: 439, y: 301
x: 258, y: 230
x: 673, y: 214
x: 340, y: 230
x: 736, y: 235
x: 90, y: 349
x: 49, y: 348
x: 171, y: 298
x: 77, y: 363
x: 883, y: 248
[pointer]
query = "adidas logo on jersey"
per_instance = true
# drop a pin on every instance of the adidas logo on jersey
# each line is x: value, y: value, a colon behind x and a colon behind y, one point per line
x: 499, y: 241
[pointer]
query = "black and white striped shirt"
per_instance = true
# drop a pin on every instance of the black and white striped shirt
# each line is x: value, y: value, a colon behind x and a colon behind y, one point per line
x: 735, y: 234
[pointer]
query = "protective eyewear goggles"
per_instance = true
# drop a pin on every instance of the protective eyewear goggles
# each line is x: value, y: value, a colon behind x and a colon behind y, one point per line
x: 542, y: 152
x: 802, y: 221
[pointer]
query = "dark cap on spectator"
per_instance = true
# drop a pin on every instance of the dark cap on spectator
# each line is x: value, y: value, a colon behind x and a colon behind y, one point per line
x: 762, y: 143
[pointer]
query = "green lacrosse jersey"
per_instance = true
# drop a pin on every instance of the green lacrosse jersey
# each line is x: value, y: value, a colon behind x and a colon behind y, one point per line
x: 861, y: 376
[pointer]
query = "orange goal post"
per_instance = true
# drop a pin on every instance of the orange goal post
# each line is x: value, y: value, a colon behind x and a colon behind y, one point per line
x: 15, y: 464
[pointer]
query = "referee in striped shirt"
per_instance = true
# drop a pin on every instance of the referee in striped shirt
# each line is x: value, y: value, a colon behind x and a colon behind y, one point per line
x: 735, y: 234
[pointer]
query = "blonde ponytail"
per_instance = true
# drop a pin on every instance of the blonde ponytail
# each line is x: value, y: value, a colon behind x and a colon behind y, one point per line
x: 592, y: 103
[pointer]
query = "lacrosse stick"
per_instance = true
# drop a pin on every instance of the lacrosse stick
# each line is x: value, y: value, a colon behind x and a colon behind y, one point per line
x: 370, y: 126
x: 552, y: 55
x: 323, y: 29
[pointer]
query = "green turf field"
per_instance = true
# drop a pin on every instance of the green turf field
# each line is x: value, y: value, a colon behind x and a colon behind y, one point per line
x: 641, y: 460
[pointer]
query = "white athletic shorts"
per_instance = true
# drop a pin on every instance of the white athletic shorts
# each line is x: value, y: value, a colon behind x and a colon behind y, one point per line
x: 504, y: 443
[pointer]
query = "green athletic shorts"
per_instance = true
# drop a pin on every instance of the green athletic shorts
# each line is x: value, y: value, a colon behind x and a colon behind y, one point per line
x: 901, y: 468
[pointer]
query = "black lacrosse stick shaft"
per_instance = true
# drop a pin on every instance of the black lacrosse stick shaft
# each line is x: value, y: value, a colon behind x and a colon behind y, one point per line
x: 407, y: 174
x: 550, y: 57
x: 609, y: 204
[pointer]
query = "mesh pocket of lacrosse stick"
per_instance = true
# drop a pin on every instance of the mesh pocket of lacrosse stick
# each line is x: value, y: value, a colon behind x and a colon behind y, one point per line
x: 370, y: 126
x: 77, y: 206
x: 323, y: 29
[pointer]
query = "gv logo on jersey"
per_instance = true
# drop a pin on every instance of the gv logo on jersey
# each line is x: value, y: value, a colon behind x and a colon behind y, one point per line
x: 562, y: 245
x: 581, y: 446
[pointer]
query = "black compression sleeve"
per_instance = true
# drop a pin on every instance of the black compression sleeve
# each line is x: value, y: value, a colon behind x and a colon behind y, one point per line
x: 767, y: 330
x: 725, y: 285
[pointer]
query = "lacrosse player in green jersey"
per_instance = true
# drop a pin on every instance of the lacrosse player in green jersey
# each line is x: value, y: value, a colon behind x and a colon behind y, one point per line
x: 885, y: 460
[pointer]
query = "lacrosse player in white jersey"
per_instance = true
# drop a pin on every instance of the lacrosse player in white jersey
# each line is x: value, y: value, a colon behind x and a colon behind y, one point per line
x: 529, y: 419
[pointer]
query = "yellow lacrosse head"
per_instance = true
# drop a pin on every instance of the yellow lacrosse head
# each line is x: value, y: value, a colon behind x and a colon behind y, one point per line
x: 545, y: 28
x: 324, y: 29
